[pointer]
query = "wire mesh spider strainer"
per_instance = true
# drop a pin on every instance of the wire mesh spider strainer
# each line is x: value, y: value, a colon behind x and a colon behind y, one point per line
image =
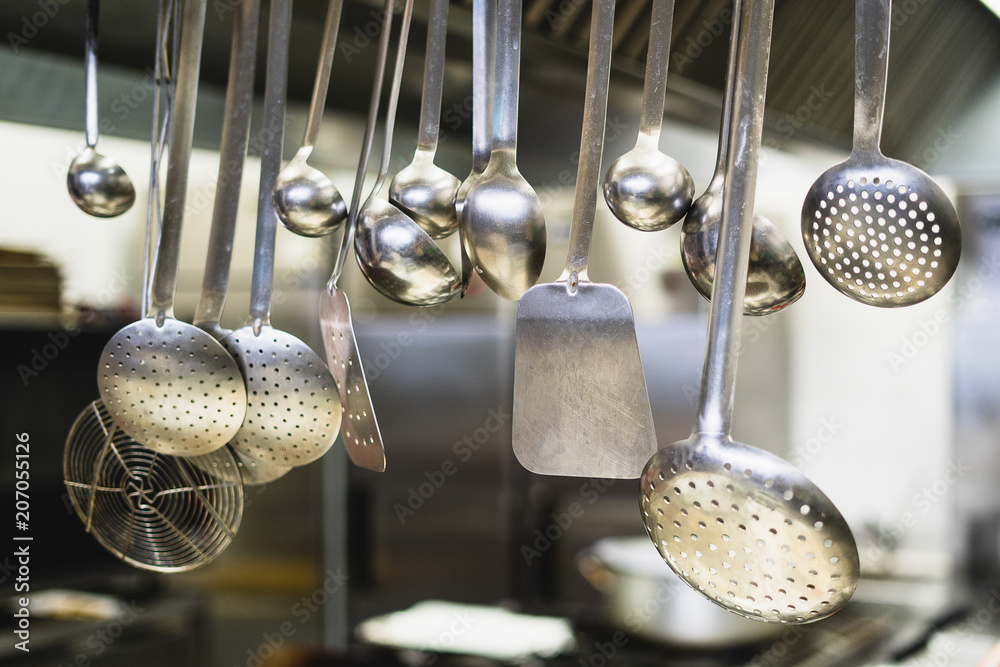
x: 155, y: 511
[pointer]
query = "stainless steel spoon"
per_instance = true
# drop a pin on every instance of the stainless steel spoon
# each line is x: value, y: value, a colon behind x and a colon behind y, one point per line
x: 506, y: 225
x: 881, y: 231
x: 396, y: 256
x: 776, y: 278
x: 423, y: 190
x: 97, y: 184
x: 738, y: 524
x: 306, y: 200
x: 645, y: 188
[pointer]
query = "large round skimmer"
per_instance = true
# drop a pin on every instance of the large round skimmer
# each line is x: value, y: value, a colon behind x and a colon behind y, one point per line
x: 879, y: 230
x: 155, y: 511
x: 740, y: 525
x: 293, y: 407
x: 166, y: 383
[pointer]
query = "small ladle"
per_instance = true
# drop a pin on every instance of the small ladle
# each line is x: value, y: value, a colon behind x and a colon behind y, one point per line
x: 396, y: 256
x: 776, y: 278
x: 423, y: 190
x: 505, y: 221
x: 645, y: 188
x: 738, y: 524
x: 306, y: 200
x: 97, y: 184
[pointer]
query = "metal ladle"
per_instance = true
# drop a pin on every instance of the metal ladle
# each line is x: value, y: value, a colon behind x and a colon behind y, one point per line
x: 423, y: 190
x: 293, y: 411
x: 97, y: 184
x: 881, y: 231
x: 166, y: 383
x: 505, y: 223
x: 396, y: 256
x: 306, y: 200
x: 776, y: 278
x: 736, y: 523
x: 645, y: 188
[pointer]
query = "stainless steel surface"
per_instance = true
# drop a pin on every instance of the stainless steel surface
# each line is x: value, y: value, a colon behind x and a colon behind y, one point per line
x: 396, y: 256
x: 580, y: 401
x: 424, y: 191
x: 775, y: 278
x: 166, y: 383
x: 305, y: 198
x: 97, y: 184
x: 738, y: 524
x: 154, y: 511
x: 879, y: 230
x: 645, y: 188
x: 505, y: 225
x: 293, y: 409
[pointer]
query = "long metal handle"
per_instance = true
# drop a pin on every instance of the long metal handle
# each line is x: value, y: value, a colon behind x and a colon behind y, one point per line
x: 270, y: 161
x: 718, y: 380
x: 322, y: 84
x: 727, y: 96
x: 181, y: 137
x: 90, y: 66
x: 871, y: 65
x: 232, y: 154
x: 508, y: 63
x: 347, y: 239
x: 484, y: 46
x: 654, y: 89
x: 430, y: 111
x: 595, y: 112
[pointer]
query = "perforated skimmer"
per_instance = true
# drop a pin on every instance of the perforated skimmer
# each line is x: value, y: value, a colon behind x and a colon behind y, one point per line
x: 740, y: 525
x: 879, y: 230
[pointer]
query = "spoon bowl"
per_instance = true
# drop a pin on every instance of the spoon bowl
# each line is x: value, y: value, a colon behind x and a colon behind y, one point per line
x: 98, y: 185
x: 306, y: 200
x: 647, y: 189
x: 427, y: 193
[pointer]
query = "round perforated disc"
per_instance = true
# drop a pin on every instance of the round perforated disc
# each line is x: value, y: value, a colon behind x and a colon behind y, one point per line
x: 241, y: 467
x: 173, y: 388
x: 293, y: 408
x: 749, y: 532
x: 155, y: 511
x: 885, y: 235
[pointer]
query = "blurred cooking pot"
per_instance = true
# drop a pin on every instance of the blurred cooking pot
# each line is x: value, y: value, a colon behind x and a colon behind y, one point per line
x: 646, y: 599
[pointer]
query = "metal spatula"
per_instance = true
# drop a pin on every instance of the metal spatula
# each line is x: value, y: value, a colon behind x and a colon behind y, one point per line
x: 580, y: 401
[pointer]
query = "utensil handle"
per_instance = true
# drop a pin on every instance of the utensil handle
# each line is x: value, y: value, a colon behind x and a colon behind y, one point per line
x: 90, y: 67
x: 270, y: 161
x: 508, y: 63
x: 871, y: 66
x: 654, y: 89
x: 326, y: 52
x: 484, y: 46
x: 347, y: 239
x: 718, y: 380
x: 727, y: 95
x: 595, y: 112
x: 181, y: 138
x: 232, y: 154
x: 430, y: 112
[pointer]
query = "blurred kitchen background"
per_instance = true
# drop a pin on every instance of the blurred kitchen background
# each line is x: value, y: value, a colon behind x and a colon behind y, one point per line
x: 895, y: 413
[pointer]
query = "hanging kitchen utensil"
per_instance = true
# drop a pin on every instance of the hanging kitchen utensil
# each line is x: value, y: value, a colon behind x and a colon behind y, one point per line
x: 879, y: 230
x: 97, y: 184
x: 505, y: 224
x: 775, y: 277
x: 422, y: 190
x: 396, y: 256
x: 738, y: 524
x: 154, y: 511
x: 306, y: 200
x: 166, y: 383
x: 645, y: 188
x: 359, y: 428
x: 580, y: 401
x: 293, y: 409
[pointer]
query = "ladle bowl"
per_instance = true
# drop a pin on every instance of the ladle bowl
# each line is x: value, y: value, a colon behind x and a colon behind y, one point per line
x: 426, y: 193
x: 98, y: 185
x: 647, y: 189
x: 306, y: 200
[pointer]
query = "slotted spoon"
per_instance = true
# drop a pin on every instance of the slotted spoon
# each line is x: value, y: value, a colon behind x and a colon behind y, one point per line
x: 738, y: 524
